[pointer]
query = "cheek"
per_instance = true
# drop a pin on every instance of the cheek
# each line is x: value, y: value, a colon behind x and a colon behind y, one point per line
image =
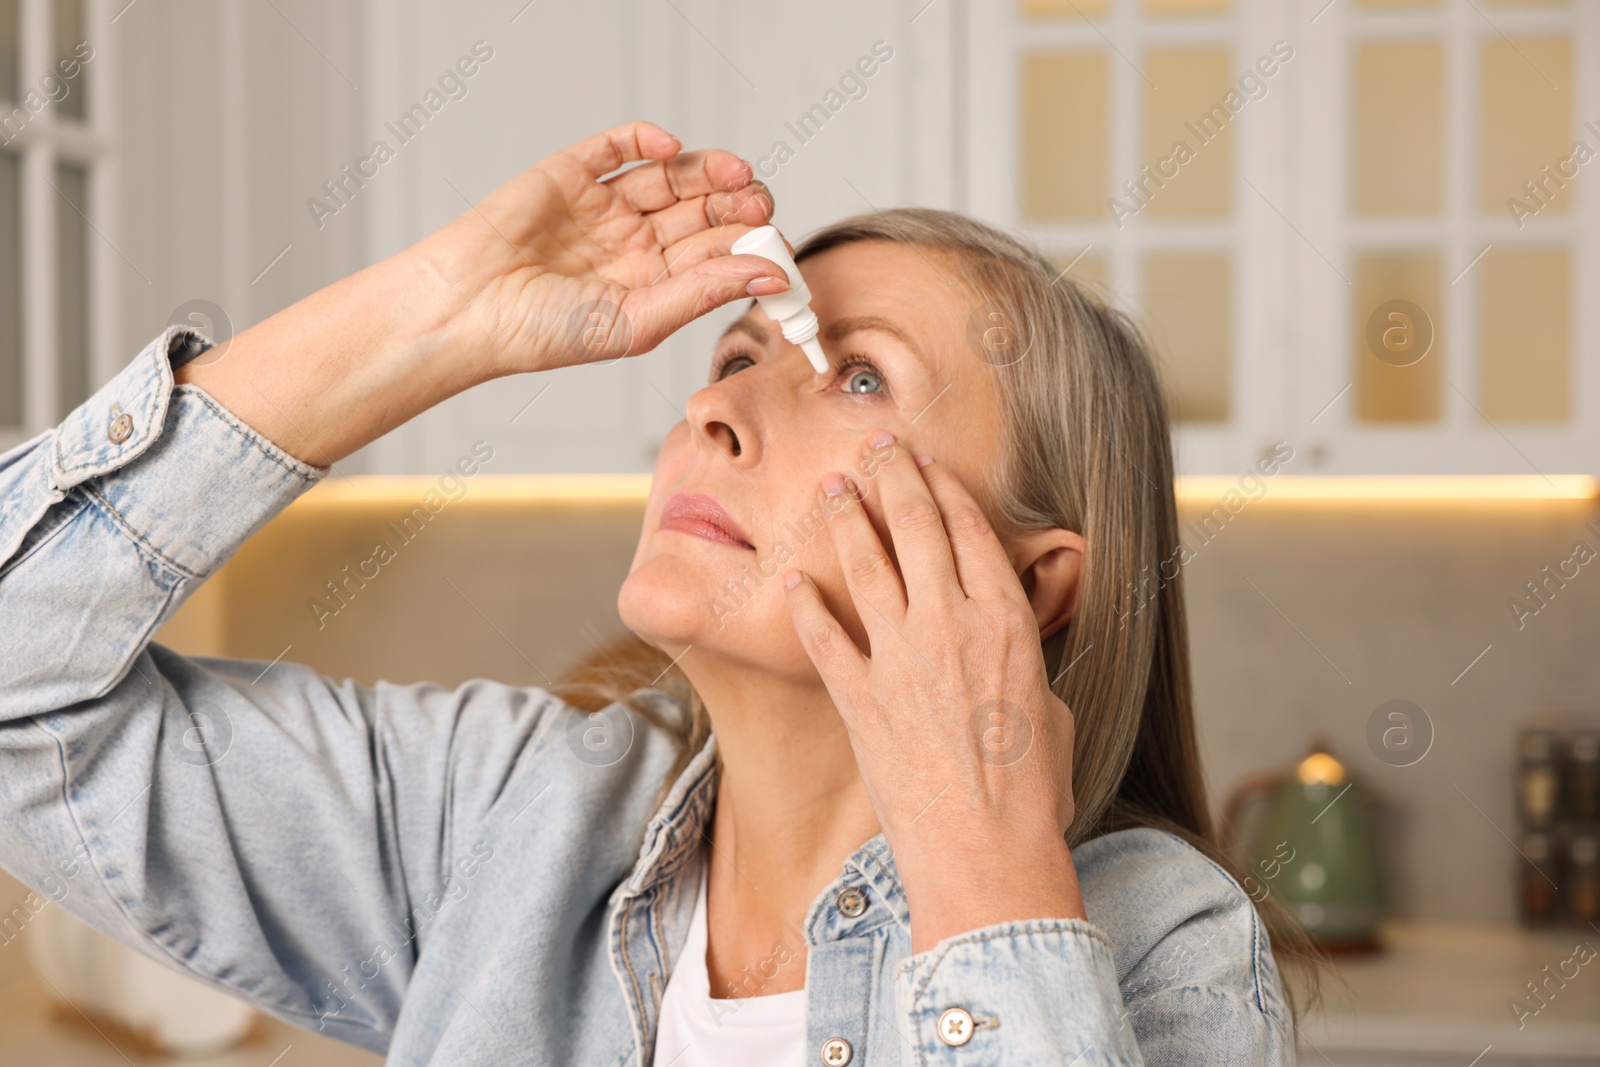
x: 738, y: 606
x: 671, y: 459
x: 809, y: 538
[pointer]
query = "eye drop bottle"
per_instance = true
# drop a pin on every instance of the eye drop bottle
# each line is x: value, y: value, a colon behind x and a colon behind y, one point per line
x: 791, y: 310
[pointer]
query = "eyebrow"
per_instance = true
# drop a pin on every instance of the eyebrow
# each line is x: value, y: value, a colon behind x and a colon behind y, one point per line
x: 836, y: 331
x: 747, y: 327
x: 839, y: 329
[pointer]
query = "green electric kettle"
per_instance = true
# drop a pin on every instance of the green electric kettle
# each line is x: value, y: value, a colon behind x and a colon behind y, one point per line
x: 1315, y: 850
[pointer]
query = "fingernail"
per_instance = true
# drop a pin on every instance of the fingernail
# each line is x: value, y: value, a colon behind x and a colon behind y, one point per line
x: 880, y: 438
x: 923, y: 461
x: 767, y: 286
x: 832, y: 483
x: 791, y: 579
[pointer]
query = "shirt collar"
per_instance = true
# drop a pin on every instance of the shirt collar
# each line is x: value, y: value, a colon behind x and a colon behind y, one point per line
x: 682, y: 824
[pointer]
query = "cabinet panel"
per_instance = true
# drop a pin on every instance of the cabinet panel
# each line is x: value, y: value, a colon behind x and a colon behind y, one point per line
x: 1187, y: 301
x: 1186, y: 7
x: 1525, y: 124
x: 1076, y: 9
x: 1525, y: 335
x: 1398, y: 353
x: 1397, y: 149
x: 1188, y: 132
x: 1065, y: 135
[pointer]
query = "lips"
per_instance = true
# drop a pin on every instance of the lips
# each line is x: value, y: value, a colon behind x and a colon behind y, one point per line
x: 701, y: 516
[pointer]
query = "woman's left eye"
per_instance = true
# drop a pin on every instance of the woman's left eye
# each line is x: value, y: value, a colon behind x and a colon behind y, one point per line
x: 863, y: 377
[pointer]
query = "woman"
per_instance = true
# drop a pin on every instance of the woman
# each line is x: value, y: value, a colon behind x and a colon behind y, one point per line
x: 884, y: 586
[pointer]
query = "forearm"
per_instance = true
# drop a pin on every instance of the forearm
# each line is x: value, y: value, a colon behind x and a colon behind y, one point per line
x: 349, y: 363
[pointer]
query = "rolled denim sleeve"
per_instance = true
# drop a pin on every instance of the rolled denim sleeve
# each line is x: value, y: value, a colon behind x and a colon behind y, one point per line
x: 1039, y: 992
x: 1048, y: 992
x: 254, y: 825
x: 108, y: 522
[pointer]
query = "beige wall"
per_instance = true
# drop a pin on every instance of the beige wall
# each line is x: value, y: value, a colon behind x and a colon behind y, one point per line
x: 488, y: 587
x: 1400, y: 599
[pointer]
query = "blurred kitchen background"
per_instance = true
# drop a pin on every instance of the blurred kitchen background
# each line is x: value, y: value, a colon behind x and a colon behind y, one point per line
x: 1364, y: 233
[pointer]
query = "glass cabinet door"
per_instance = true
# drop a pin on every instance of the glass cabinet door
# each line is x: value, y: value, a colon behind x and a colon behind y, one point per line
x: 1359, y: 226
x: 49, y: 243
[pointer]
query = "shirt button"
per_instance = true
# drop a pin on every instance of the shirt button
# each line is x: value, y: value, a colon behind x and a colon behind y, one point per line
x: 851, y: 902
x: 836, y: 1052
x: 955, y: 1026
x: 121, y: 427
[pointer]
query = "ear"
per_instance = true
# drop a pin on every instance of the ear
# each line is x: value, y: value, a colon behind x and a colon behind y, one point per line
x: 1049, y: 563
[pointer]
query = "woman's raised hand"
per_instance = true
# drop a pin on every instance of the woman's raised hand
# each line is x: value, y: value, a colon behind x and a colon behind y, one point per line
x: 555, y: 267
x: 558, y: 266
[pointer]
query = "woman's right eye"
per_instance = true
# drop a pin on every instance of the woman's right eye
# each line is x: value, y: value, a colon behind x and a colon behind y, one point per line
x: 732, y: 363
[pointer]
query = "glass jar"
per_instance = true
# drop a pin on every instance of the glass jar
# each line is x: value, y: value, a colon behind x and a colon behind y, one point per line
x: 1583, y: 879
x: 1583, y: 779
x: 1538, y: 779
x: 1536, y: 894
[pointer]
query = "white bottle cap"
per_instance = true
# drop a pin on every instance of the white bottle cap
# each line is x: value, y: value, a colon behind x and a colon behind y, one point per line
x: 791, y: 310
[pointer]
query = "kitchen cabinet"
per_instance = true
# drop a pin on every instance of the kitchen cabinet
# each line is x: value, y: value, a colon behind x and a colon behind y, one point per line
x: 1337, y: 157
x: 1366, y: 227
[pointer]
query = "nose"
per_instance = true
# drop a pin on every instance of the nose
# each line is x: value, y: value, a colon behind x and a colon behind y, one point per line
x: 717, y: 413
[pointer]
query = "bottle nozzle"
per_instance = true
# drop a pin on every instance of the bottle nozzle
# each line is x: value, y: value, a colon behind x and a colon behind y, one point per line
x: 813, y: 351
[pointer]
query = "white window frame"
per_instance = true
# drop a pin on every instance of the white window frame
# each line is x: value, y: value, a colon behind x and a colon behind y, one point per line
x: 48, y: 139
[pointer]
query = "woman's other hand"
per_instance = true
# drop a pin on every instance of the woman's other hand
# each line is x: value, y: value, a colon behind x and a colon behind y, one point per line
x: 558, y: 266
x: 965, y: 752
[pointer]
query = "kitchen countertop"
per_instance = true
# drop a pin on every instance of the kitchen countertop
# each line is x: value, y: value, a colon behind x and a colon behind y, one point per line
x: 37, y: 1032
x: 1444, y: 991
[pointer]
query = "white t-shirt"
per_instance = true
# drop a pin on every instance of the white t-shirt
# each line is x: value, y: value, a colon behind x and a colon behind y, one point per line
x: 698, y: 1030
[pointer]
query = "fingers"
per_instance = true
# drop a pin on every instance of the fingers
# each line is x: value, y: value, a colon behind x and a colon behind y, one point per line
x: 982, y: 566
x: 832, y: 651
x: 682, y: 177
x: 654, y: 312
x: 750, y: 206
x: 680, y: 194
x: 916, y: 525
x: 620, y: 145
x: 869, y: 573
x: 707, y: 244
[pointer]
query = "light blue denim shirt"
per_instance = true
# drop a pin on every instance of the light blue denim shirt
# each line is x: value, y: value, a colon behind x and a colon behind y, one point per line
x: 460, y: 876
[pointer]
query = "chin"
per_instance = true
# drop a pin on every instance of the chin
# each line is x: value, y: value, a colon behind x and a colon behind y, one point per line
x: 670, y: 602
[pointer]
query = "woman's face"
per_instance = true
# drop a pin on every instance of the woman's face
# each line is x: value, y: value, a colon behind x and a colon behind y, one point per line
x: 761, y: 435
